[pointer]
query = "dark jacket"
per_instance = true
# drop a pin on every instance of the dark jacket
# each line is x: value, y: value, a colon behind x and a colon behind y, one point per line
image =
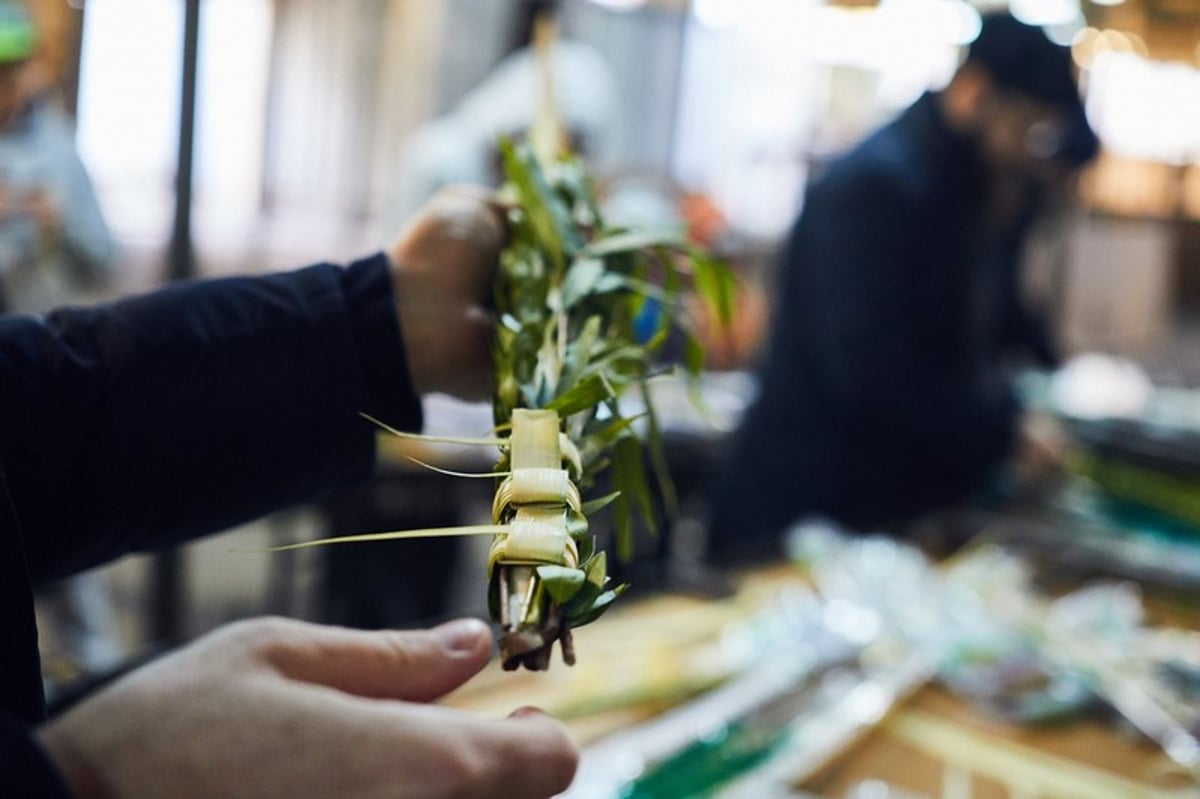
x: 138, y: 425
x: 881, y: 394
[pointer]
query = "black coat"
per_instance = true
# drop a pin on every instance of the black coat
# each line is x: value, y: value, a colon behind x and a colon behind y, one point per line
x: 140, y: 424
x: 881, y: 393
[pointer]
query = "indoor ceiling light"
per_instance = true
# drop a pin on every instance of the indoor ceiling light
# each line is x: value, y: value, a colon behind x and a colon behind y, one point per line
x: 1045, y: 12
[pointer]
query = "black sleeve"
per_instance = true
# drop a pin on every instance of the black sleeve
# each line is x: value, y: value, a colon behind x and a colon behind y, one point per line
x: 25, y: 768
x: 155, y: 419
x: 879, y: 317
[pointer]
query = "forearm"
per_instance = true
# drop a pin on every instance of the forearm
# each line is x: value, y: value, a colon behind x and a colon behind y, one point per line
x: 164, y: 417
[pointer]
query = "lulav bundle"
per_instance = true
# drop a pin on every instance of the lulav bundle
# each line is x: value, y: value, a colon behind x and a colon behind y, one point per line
x: 572, y: 297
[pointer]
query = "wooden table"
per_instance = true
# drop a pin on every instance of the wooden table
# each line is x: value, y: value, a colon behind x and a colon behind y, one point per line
x: 656, y: 653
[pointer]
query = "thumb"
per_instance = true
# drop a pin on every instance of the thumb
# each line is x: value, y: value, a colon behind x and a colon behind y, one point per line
x: 414, y: 665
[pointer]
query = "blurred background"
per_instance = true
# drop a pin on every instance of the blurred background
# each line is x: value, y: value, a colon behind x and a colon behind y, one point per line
x: 245, y: 136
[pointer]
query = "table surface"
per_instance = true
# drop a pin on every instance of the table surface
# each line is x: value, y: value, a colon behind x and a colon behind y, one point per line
x: 655, y: 653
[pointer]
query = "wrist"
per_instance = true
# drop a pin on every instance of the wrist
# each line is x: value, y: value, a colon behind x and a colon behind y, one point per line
x: 418, y: 330
x: 83, y: 781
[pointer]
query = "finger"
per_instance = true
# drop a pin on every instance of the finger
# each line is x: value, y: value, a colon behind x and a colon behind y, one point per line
x: 489, y: 197
x: 497, y: 207
x: 536, y: 757
x: 471, y: 216
x: 416, y: 665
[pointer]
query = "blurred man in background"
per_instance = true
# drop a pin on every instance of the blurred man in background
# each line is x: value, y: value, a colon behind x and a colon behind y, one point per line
x: 884, y: 393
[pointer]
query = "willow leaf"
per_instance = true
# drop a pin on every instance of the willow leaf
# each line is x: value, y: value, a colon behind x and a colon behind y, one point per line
x: 715, y: 284
x: 630, y: 460
x: 635, y: 241
x: 612, y: 360
x: 599, y: 440
x: 585, y: 394
x: 658, y: 457
x: 599, y: 503
x: 579, y: 353
x: 629, y: 477
x: 549, y: 216
x: 623, y: 527
x: 580, y: 280
x: 611, y: 281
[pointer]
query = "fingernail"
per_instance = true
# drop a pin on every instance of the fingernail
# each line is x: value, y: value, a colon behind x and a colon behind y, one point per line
x: 527, y: 712
x: 462, y: 635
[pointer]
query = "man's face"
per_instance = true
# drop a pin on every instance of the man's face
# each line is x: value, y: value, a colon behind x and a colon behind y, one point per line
x: 1023, y: 135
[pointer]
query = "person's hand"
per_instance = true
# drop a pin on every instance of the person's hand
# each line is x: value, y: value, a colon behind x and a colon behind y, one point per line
x: 277, y: 707
x: 1041, y: 447
x: 442, y: 268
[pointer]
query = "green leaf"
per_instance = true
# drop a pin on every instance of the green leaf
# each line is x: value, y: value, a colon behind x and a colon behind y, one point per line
x: 609, y: 282
x: 577, y: 524
x: 633, y: 241
x: 585, y: 394
x: 658, y: 457
x: 579, y: 354
x: 598, y: 606
x: 581, y: 279
x: 629, y: 476
x: 715, y: 284
x: 549, y: 217
x: 601, y: 440
x: 574, y: 181
x: 562, y: 582
x: 631, y: 355
x: 623, y: 527
x: 672, y: 284
x: 596, y: 569
x: 693, y: 359
x: 587, y: 547
x: 600, y: 503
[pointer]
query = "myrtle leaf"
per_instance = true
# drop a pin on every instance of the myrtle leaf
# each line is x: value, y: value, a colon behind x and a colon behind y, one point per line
x: 562, y: 582
x: 598, y: 606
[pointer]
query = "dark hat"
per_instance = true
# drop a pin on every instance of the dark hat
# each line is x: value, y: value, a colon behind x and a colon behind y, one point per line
x: 1022, y: 58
